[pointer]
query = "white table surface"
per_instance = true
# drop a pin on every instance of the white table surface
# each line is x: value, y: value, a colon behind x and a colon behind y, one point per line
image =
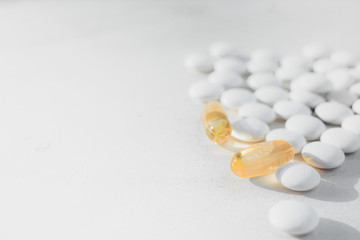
x: 98, y: 139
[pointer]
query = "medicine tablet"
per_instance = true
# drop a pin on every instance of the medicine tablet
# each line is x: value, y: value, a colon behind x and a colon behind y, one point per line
x: 198, y: 62
x: 264, y: 55
x: 298, y: 176
x: 261, y: 79
x: 315, y: 51
x: 323, y: 155
x: 257, y: 110
x: 271, y: 94
x: 343, y: 58
x: 287, y: 74
x: 306, y: 97
x: 254, y: 66
x: 287, y: 108
x: 205, y: 91
x: 352, y: 123
x: 227, y: 79
x: 346, y: 140
x: 308, y: 126
x: 324, y: 65
x: 333, y: 112
x: 311, y: 82
x: 341, y: 78
x: 235, y: 97
x: 355, y: 89
x: 295, y: 61
x: 293, y: 217
x: 230, y: 64
x: 224, y: 49
x: 250, y: 129
x: 356, y: 106
x: 342, y: 96
x: 294, y: 138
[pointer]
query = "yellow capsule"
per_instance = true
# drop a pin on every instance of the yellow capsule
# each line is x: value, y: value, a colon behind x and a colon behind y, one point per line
x: 261, y: 158
x: 216, y: 123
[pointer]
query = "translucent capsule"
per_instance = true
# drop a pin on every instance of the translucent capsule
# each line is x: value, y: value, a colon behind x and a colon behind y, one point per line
x: 216, y: 123
x: 261, y: 158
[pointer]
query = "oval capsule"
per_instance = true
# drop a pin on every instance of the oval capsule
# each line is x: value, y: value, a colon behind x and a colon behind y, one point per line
x: 216, y: 123
x: 261, y: 158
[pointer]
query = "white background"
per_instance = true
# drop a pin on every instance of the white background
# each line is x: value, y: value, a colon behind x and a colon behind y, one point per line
x: 98, y: 139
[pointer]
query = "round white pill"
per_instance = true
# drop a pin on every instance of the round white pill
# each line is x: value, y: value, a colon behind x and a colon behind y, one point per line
x: 315, y: 51
x: 341, y: 96
x: 294, y: 138
x: 308, y: 126
x: 355, y: 89
x: 343, y: 58
x: 352, y: 123
x: 306, y: 97
x: 298, y: 176
x: 295, y: 61
x: 293, y: 217
x: 261, y: 79
x: 341, y: 78
x: 271, y: 94
x: 235, y: 97
x: 311, y: 82
x: 333, y: 112
x: 224, y: 49
x: 257, y: 110
x: 250, y: 129
x: 254, y: 66
x: 227, y: 79
x: 287, y: 74
x: 198, y: 62
x: 324, y: 65
x: 356, y: 106
x: 323, y: 155
x: 230, y: 64
x: 205, y: 91
x: 346, y: 140
x: 287, y: 108
x: 264, y: 55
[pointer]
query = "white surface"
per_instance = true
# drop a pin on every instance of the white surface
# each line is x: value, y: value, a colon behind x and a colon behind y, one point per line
x: 128, y: 159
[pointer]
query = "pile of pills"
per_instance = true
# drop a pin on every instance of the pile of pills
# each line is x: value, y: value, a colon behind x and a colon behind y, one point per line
x: 315, y: 95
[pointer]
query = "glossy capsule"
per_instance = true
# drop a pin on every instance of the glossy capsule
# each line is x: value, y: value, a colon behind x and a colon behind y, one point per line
x: 261, y: 158
x: 216, y: 123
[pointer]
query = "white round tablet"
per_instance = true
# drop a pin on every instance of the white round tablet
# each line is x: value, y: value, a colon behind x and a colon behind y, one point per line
x: 343, y: 58
x: 224, y: 49
x: 355, y: 89
x: 356, y: 106
x: 271, y: 94
x: 352, y: 123
x: 346, y: 140
x: 257, y: 110
x: 287, y: 74
x: 298, y: 176
x: 341, y: 78
x: 311, y: 82
x: 230, y: 64
x: 261, y: 79
x: 250, y: 129
x: 341, y: 96
x: 324, y: 65
x: 315, y: 51
x: 293, y: 217
x: 294, y: 138
x: 235, y: 97
x: 205, y: 91
x: 308, y: 126
x: 295, y: 61
x: 323, y: 155
x: 287, y: 108
x: 198, y: 62
x: 227, y: 79
x: 254, y: 66
x: 333, y: 112
x: 306, y: 97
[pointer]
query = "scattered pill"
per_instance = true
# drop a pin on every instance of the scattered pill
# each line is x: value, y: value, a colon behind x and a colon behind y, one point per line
x: 352, y: 123
x: 295, y: 61
x: 202, y: 63
x: 235, y: 97
x: 346, y: 140
x: 341, y: 78
x: 288, y: 108
x: 261, y: 79
x: 254, y: 66
x: 298, y: 176
x: 294, y: 138
x: 342, y: 96
x: 315, y: 51
x: 230, y: 64
x: 308, y: 126
x: 333, y: 112
x: 343, y: 58
x: 264, y: 55
x: 224, y: 49
x: 205, y: 91
x: 271, y: 94
x: 355, y: 89
x: 216, y: 123
x: 293, y: 217
x: 324, y: 65
x: 312, y: 82
x: 250, y: 129
x: 227, y: 79
x: 323, y: 155
x: 261, y: 158
x: 287, y: 74
x: 257, y: 110
x: 356, y: 106
x: 306, y: 97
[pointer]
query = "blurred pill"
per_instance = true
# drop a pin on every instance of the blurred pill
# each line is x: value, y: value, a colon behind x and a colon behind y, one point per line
x: 202, y: 63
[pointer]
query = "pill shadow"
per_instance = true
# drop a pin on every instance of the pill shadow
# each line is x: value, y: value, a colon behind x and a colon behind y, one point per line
x: 332, y: 230
x: 337, y: 185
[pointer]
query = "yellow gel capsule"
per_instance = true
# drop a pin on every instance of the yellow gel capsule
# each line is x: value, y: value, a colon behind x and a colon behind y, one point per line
x: 261, y: 158
x: 216, y: 123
